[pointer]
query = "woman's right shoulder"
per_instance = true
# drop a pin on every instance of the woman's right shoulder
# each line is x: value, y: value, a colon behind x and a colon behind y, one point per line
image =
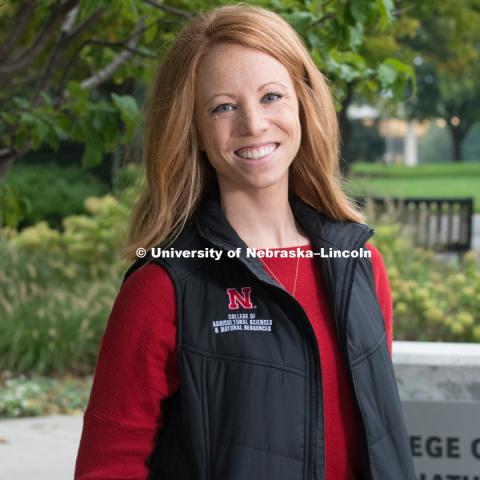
x: 150, y: 283
x: 148, y: 272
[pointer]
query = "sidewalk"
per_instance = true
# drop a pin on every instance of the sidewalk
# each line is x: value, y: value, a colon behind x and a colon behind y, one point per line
x: 43, y: 448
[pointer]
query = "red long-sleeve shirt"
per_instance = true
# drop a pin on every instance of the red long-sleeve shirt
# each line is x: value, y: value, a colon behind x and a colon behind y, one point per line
x: 137, y: 369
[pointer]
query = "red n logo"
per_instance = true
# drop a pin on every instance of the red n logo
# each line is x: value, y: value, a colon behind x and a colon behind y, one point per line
x: 235, y: 298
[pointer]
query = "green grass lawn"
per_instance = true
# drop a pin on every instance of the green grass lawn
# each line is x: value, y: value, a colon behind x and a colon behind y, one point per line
x: 431, y: 180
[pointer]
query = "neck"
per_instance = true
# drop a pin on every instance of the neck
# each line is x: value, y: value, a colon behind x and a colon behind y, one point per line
x: 262, y: 218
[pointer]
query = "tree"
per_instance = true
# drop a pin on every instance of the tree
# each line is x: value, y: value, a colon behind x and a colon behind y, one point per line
x: 447, y: 49
x: 68, y: 67
x: 338, y: 34
x: 66, y: 70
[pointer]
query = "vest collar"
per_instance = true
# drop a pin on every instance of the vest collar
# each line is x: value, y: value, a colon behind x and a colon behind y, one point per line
x: 323, y: 231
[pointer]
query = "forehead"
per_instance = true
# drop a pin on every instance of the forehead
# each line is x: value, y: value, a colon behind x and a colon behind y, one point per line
x: 230, y: 65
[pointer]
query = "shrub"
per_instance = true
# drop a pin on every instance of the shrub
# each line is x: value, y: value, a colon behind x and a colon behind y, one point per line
x: 48, y: 193
x: 53, y: 312
x: 60, y: 289
x: 433, y: 300
x: 61, y: 285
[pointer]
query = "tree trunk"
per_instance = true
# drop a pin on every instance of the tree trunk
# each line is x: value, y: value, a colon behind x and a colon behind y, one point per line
x: 345, y: 131
x: 457, y: 146
x: 7, y: 156
x: 458, y: 134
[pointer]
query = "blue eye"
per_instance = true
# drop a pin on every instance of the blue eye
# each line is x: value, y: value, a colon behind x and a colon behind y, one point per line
x: 271, y: 94
x: 220, y: 110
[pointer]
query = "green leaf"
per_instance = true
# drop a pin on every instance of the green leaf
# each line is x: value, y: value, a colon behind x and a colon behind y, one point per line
x: 356, y: 36
x: 150, y: 34
x: 400, y: 66
x: 87, y: 7
x: 299, y: 20
x: 128, y: 108
x: 21, y: 103
x: 27, y: 118
x: 39, y: 133
x: 385, y: 9
x: 76, y: 92
x: 359, y: 10
x: 393, y: 75
x: 93, y: 153
x: 386, y: 74
x: 312, y: 39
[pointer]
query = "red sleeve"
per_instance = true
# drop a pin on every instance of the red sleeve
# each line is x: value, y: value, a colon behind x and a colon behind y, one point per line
x: 136, y: 369
x: 384, y: 293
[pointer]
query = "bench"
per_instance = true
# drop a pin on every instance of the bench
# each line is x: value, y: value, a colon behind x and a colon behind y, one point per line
x: 442, y: 224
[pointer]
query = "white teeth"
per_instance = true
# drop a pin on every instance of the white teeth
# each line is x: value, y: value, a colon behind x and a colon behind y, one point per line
x: 256, y: 153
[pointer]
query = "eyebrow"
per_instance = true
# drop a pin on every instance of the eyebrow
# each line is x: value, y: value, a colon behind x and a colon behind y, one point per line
x: 259, y: 88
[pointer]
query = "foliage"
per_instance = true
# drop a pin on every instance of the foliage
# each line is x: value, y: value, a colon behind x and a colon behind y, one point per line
x: 80, y: 82
x: 75, y: 84
x: 61, y: 286
x: 28, y: 397
x: 337, y: 33
x: 447, y: 58
x: 14, y: 207
x: 59, y: 290
x: 433, y: 300
x: 48, y: 192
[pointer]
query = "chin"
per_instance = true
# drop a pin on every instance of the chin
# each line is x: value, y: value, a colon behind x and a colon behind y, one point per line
x: 263, y: 181
x: 237, y: 179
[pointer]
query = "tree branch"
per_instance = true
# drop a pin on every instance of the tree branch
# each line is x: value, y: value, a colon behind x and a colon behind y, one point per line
x: 65, y: 38
x: 122, y: 57
x: 86, y: 23
x: 20, y: 21
x: 123, y: 44
x: 59, y: 45
x: 28, y: 55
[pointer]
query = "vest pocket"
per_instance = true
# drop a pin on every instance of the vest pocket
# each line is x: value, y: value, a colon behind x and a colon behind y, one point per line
x: 256, y: 421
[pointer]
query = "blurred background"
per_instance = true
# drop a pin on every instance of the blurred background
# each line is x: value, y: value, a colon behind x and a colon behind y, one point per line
x: 73, y: 77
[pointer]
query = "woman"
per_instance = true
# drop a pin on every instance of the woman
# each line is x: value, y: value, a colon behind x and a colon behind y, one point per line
x: 237, y: 366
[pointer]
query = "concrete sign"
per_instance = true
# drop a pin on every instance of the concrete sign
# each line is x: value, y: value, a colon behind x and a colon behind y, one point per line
x: 439, y: 385
x: 445, y: 439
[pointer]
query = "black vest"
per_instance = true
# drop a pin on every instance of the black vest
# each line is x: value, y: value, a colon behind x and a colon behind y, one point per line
x: 250, y: 403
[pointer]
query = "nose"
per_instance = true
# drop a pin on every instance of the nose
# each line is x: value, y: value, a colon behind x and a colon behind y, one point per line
x: 253, y: 121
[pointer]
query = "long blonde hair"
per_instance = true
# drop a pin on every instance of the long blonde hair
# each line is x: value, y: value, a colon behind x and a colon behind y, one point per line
x: 178, y: 174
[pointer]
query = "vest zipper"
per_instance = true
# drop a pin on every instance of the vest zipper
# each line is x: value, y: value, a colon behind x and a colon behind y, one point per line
x: 345, y: 303
x: 313, y: 393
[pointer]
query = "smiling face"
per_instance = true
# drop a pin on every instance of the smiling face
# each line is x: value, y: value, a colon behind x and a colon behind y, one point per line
x: 246, y: 112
